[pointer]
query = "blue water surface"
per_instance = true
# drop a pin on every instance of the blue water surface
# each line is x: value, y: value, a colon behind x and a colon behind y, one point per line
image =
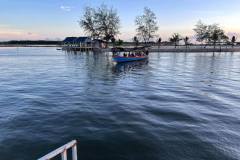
x: 175, y: 106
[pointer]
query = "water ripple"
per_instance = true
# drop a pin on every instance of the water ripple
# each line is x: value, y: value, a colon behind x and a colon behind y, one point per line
x: 174, y: 106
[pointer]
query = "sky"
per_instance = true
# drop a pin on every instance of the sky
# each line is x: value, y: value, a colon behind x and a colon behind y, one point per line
x: 57, y: 19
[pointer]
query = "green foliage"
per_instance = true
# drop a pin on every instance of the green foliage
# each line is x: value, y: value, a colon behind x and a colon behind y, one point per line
x: 136, y: 41
x: 233, y: 39
x: 176, y: 38
x: 216, y: 34
x: 113, y: 40
x: 88, y: 22
x: 31, y: 42
x: 201, y: 31
x: 186, y: 40
x: 146, y: 25
x: 101, y: 22
x: 119, y: 42
x: 210, y: 33
x: 159, y: 40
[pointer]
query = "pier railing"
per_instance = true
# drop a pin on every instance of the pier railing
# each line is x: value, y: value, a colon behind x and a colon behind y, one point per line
x: 63, y: 151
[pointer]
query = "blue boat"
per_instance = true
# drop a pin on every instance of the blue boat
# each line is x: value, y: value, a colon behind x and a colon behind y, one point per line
x: 121, y: 55
x: 121, y: 59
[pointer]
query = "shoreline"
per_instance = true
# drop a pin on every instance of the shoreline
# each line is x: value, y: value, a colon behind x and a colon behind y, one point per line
x: 29, y: 45
x: 195, y: 48
x: 198, y: 49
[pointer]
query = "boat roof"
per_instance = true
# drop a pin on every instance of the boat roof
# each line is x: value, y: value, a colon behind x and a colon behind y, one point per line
x: 129, y: 49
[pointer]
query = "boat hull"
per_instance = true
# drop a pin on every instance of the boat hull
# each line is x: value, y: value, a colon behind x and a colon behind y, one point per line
x: 119, y: 59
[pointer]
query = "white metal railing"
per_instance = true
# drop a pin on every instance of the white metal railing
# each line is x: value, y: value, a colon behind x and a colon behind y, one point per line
x: 63, y: 151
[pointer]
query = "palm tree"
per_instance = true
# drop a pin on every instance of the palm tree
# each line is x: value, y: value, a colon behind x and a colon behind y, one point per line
x: 159, y: 42
x: 136, y: 41
x: 175, y: 39
x: 119, y: 42
x: 113, y: 40
x: 225, y: 40
x: 186, y: 41
x: 215, y: 38
x: 233, y: 41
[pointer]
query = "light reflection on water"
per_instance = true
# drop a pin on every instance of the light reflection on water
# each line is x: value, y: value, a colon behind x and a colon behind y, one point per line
x: 173, y: 106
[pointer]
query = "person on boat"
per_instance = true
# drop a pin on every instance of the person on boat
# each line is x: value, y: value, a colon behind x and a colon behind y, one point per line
x: 147, y: 52
x: 124, y: 54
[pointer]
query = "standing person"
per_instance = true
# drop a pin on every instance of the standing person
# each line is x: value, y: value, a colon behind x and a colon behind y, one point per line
x: 146, y: 52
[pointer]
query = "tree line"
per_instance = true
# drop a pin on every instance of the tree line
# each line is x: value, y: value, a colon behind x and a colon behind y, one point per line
x: 31, y: 42
x: 103, y: 23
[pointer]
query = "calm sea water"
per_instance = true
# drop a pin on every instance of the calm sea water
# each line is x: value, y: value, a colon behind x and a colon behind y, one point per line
x: 176, y: 106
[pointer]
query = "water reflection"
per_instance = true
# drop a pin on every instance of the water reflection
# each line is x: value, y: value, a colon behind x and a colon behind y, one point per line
x: 96, y: 61
x: 128, y: 66
x: 176, y: 106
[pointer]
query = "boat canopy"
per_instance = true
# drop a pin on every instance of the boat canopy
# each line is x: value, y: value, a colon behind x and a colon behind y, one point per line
x: 130, y: 49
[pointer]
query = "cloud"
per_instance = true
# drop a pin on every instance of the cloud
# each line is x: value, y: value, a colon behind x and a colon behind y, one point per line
x: 66, y: 8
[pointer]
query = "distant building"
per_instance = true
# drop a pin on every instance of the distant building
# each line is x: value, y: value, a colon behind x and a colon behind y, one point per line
x: 68, y: 41
x: 84, y: 42
x: 77, y: 41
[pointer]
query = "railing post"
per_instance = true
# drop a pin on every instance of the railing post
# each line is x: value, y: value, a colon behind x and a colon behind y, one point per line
x: 74, y: 152
x: 63, y: 151
x: 64, y: 155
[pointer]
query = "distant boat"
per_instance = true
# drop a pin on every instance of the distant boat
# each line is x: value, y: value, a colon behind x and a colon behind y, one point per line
x: 121, y: 59
x: 135, y: 54
x: 59, y: 48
